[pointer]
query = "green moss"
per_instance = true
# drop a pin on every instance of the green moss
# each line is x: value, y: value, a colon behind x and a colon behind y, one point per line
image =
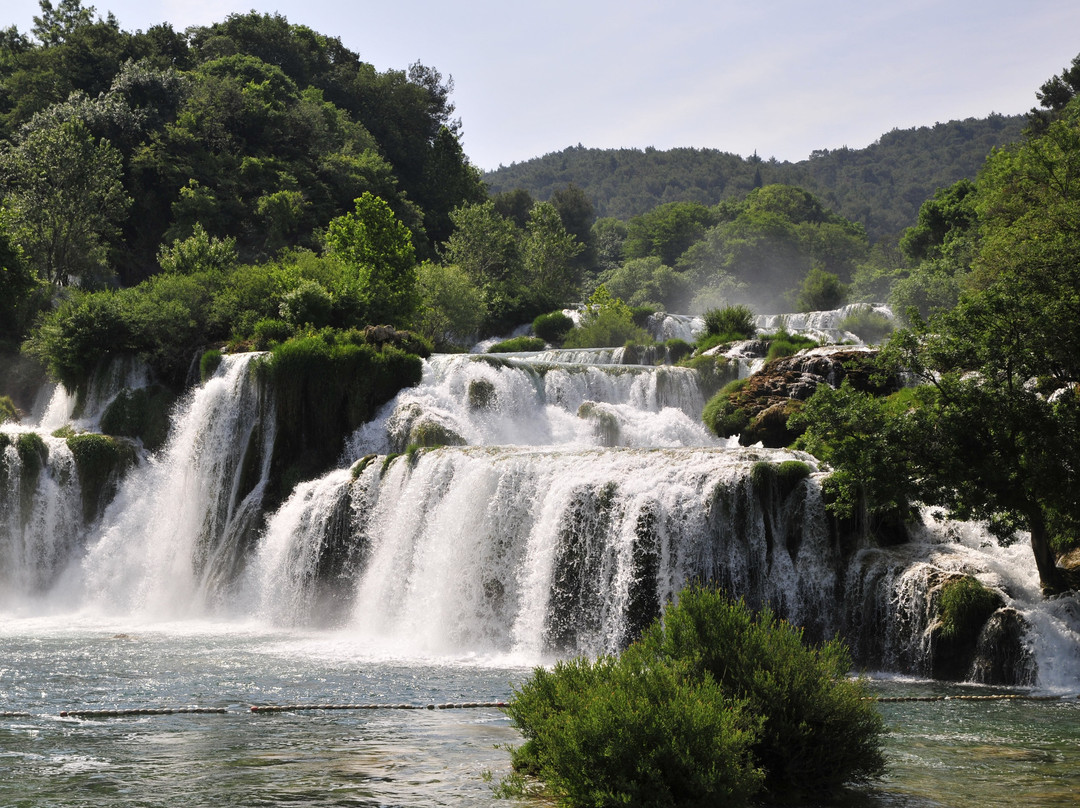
x: 722, y: 414
x: 713, y: 372
x: 605, y: 423
x: 209, y: 362
x: 33, y: 453
x: 677, y: 350
x: 325, y: 385
x: 99, y: 461
x: 8, y: 411
x: 390, y: 458
x: 143, y: 414
x: 481, y: 394
x: 965, y: 606
x: 518, y: 345
x: 361, y: 464
x: 432, y: 433
x: 785, y: 476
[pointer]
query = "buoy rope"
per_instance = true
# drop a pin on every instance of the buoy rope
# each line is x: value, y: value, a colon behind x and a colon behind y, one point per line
x: 292, y: 708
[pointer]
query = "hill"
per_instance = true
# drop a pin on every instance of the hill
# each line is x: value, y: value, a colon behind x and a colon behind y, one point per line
x: 880, y: 186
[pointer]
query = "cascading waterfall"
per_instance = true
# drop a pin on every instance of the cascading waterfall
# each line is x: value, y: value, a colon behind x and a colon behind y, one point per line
x: 538, y: 551
x: 181, y: 524
x: 40, y: 513
x: 540, y: 507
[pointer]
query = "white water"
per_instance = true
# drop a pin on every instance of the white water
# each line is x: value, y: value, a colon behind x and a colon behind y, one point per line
x: 582, y: 498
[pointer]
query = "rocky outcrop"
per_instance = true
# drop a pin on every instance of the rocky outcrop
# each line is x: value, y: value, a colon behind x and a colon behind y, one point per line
x: 757, y: 408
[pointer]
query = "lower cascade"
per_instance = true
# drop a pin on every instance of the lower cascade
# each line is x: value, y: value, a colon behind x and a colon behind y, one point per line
x: 517, y: 508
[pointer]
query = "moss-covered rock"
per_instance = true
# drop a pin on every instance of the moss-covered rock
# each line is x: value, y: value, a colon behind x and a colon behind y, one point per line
x: 427, y: 432
x: 481, y: 394
x: 326, y: 385
x: 758, y: 408
x: 964, y: 605
x: 143, y: 413
x: 100, y: 461
x: 605, y: 422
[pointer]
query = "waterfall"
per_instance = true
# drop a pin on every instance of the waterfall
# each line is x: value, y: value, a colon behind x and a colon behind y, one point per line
x: 40, y: 513
x: 523, y: 506
x: 539, y: 551
x: 181, y: 524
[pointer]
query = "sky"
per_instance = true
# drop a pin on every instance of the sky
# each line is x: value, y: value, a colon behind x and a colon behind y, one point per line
x: 779, y: 78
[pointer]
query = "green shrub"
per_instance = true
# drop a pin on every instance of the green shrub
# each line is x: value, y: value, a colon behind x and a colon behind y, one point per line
x: 711, y: 705
x: 736, y: 322
x: 552, y: 327
x: 8, y: 412
x: 783, y: 343
x: 713, y: 371
x: 821, y: 291
x: 269, y: 332
x: 33, y: 453
x: 965, y: 606
x: 678, y: 350
x: 867, y: 324
x: 518, y: 345
x: 634, y: 730
x: 722, y: 414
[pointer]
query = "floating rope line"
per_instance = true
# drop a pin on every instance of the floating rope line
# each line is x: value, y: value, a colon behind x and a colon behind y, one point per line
x: 290, y: 708
x: 995, y: 697
x: 139, y: 711
x: 16, y: 715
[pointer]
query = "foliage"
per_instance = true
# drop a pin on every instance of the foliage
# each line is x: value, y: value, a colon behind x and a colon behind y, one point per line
x: 784, y: 344
x: 199, y: 252
x: 677, y: 349
x: 722, y: 414
x: 867, y: 324
x: 378, y: 251
x: 709, y: 706
x: 731, y: 322
x: 517, y: 344
x: 22, y: 294
x: 552, y: 327
x: 608, y: 322
x: 98, y: 459
x: 666, y: 231
x: 8, y: 410
x: 548, y: 252
x: 451, y: 308
x: 880, y: 186
x: 820, y: 291
x: 144, y: 413
x: 64, y: 200
x: 648, y: 281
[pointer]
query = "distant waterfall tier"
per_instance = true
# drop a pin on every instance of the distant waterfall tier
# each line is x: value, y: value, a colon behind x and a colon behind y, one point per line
x: 484, y: 400
x: 540, y: 551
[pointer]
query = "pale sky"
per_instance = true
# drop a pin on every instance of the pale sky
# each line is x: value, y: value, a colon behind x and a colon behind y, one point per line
x: 779, y: 77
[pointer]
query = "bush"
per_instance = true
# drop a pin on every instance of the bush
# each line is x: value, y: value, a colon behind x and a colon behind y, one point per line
x: 678, y: 350
x: 821, y: 291
x: 517, y: 345
x: 732, y: 322
x: 722, y: 415
x: 552, y: 327
x: 8, y: 412
x: 711, y: 705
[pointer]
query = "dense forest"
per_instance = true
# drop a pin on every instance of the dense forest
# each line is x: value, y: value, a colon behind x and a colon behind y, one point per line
x: 880, y: 186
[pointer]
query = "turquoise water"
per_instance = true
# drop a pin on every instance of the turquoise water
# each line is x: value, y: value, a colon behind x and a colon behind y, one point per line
x: 954, y: 753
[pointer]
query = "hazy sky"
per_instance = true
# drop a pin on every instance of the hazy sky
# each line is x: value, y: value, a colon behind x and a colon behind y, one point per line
x: 779, y: 77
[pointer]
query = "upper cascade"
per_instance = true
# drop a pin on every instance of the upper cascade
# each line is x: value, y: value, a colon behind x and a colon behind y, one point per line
x: 486, y: 400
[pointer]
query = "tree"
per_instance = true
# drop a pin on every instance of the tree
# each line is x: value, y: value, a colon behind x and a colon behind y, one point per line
x: 548, y: 253
x: 379, y: 250
x: 998, y: 411
x: 820, y: 291
x: 56, y: 23
x: 451, y: 308
x: 65, y: 200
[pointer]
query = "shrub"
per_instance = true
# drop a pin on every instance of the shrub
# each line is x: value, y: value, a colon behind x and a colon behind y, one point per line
x: 8, y: 412
x: 732, y: 322
x: 867, y: 324
x: 517, y: 345
x: 552, y: 327
x: 209, y: 362
x: 821, y: 291
x: 711, y: 705
x: 783, y: 343
x: 269, y: 332
x: 678, y: 350
x: 722, y: 415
